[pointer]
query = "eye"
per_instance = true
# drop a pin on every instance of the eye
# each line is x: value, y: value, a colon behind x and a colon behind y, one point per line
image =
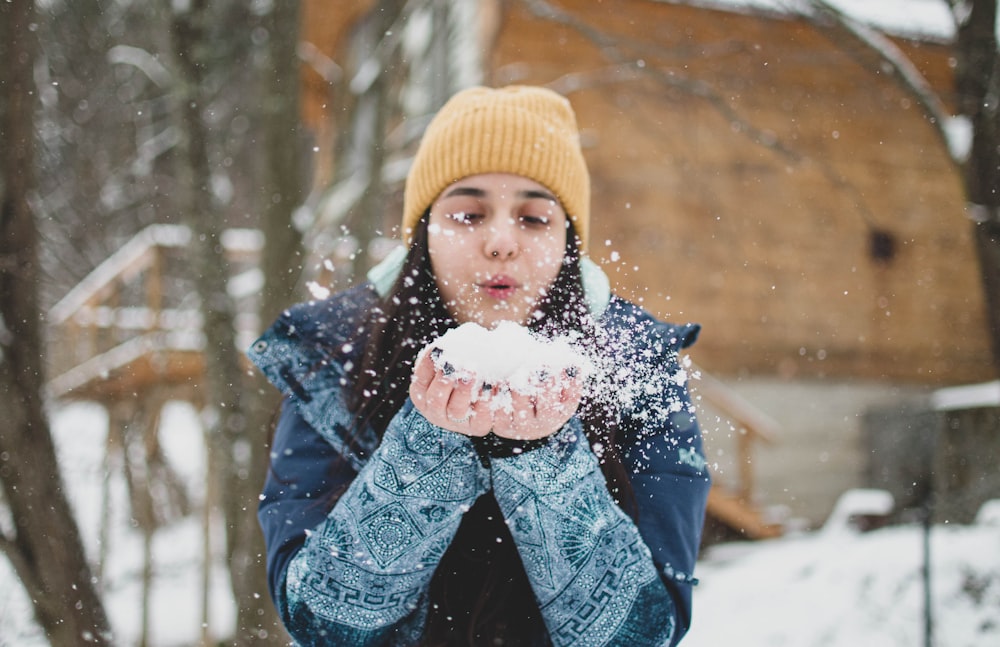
x: 464, y: 217
x: 531, y: 220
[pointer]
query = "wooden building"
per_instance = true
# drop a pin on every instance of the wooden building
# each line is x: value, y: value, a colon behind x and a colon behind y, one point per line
x: 750, y: 174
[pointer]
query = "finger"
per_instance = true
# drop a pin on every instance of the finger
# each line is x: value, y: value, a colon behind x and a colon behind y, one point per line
x: 465, y: 411
x: 430, y: 387
x: 482, y: 419
x: 503, y: 422
x: 571, y: 392
x: 558, y: 392
x: 459, y: 405
x: 483, y: 391
x: 542, y: 410
x: 423, y: 371
x: 524, y: 416
x: 439, y: 391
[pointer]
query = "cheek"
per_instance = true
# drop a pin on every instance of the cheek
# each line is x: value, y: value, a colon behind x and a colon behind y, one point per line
x: 549, y: 257
x: 447, y: 264
x: 438, y: 239
x: 442, y: 245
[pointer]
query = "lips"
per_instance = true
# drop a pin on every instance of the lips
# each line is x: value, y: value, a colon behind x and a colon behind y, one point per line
x: 499, y: 287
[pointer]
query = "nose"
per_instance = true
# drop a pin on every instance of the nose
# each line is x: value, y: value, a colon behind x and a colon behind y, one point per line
x: 501, y: 239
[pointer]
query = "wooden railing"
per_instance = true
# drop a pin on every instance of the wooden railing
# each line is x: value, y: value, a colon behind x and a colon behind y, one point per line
x: 136, y: 320
x: 734, y: 502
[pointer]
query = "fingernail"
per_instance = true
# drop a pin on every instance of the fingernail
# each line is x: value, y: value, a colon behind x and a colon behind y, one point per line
x: 448, y: 368
x: 543, y: 375
x: 572, y: 371
x: 487, y: 386
x: 436, y: 352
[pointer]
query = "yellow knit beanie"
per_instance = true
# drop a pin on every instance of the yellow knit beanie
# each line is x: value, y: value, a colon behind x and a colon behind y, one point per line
x: 528, y: 131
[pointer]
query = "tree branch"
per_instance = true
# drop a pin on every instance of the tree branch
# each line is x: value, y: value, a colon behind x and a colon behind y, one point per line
x: 625, y: 68
x: 612, y: 50
x: 904, y: 72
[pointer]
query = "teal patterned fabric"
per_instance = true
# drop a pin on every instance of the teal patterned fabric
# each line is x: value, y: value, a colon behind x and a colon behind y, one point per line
x: 588, y: 566
x: 362, y: 576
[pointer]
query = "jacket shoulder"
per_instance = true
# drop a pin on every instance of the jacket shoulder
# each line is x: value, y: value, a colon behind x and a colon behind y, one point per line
x: 627, y: 317
x: 306, y: 354
x: 326, y: 323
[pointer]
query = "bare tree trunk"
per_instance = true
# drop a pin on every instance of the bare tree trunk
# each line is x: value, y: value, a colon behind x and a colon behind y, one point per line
x: 361, y: 142
x: 283, y: 182
x: 240, y: 407
x: 978, y: 89
x: 45, y: 548
x: 281, y: 191
x: 223, y: 385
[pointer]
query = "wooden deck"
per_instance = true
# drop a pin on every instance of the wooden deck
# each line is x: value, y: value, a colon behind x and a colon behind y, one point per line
x: 134, y: 323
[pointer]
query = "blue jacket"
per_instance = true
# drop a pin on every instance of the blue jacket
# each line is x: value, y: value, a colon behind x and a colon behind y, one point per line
x: 358, y: 574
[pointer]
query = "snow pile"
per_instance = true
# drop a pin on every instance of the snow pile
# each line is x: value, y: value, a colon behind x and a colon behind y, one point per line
x: 507, y: 355
x: 909, y: 18
x: 851, y: 590
x: 175, y: 605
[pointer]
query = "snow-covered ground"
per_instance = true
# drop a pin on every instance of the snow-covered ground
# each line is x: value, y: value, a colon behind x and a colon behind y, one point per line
x: 820, y: 589
x: 175, y: 607
x: 851, y: 590
x: 829, y: 589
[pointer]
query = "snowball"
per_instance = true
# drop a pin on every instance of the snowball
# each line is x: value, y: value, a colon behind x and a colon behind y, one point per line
x: 508, y: 355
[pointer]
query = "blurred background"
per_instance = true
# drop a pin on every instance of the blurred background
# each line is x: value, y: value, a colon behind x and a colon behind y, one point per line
x: 815, y: 182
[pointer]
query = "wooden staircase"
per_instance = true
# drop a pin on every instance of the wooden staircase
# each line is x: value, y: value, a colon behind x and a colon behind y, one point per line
x: 732, y: 504
x: 134, y: 324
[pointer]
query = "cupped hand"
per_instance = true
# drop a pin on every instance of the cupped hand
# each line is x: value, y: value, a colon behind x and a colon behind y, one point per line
x: 541, y: 410
x: 449, y: 400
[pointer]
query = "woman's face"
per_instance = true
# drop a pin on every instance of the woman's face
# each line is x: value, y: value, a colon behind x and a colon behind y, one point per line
x: 496, y: 244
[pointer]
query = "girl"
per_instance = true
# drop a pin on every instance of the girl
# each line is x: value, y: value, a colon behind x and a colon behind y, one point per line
x: 403, y: 509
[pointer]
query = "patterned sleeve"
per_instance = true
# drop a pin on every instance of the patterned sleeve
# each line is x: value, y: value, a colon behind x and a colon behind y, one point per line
x: 362, y: 576
x: 591, y: 572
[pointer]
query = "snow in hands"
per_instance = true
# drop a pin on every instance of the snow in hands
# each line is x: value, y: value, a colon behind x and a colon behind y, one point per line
x: 638, y: 383
x: 508, y: 357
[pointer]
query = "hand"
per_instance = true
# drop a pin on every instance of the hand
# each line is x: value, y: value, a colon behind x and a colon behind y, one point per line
x: 447, y: 399
x: 553, y: 401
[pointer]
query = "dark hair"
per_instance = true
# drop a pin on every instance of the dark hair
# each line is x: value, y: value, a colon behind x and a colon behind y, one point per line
x: 411, y: 316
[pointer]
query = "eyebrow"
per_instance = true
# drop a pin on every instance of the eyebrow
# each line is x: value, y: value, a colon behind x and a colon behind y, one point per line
x: 475, y: 192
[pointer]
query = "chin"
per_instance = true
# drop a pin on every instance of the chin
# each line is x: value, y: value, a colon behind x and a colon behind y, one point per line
x: 492, y: 319
x: 488, y: 315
